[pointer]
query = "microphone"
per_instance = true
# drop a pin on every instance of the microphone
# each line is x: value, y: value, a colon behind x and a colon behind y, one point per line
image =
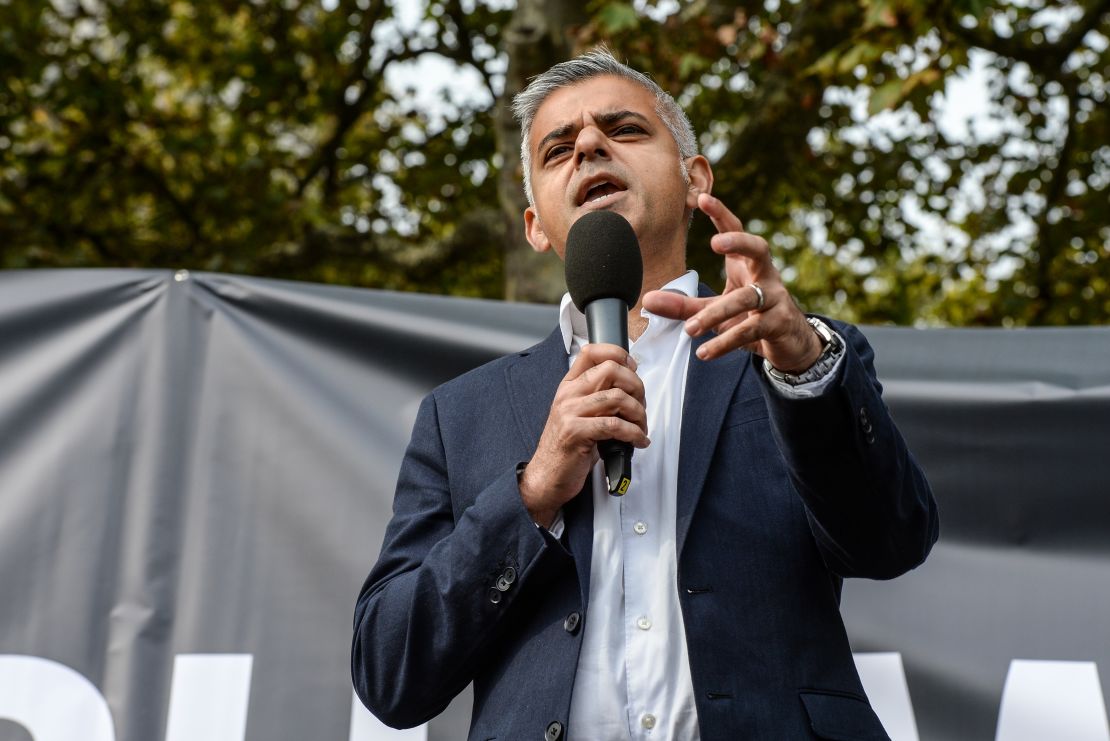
x: 604, y: 273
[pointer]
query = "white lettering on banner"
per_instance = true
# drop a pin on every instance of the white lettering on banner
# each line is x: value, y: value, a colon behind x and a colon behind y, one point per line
x: 51, y: 701
x: 365, y: 727
x: 884, y: 681
x: 208, y: 697
x: 1052, y: 699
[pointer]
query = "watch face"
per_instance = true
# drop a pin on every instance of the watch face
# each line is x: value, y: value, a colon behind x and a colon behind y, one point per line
x: 822, y: 330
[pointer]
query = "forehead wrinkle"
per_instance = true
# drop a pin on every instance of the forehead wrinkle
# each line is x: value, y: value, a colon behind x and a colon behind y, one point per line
x: 614, y: 116
x: 605, y: 118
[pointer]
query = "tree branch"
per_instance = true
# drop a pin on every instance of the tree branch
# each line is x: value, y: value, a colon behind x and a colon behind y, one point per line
x: 1035, y: 55
x: 1046, y: 246
x: 348, y: 112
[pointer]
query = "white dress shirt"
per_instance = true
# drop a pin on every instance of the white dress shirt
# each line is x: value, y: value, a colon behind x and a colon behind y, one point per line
x: 633, y: 679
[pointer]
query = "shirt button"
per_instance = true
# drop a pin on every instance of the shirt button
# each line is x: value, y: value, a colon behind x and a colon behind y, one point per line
x: 640, y: 527
x: 638, y: 358
x: 647, y: 720
x: 643, y: 623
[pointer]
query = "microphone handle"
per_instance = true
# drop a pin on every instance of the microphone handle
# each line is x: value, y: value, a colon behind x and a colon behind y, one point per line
x: 607, y: 321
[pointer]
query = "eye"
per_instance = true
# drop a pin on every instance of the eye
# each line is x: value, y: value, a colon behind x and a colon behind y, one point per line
x: 627, y: 129
x: 556, y: 151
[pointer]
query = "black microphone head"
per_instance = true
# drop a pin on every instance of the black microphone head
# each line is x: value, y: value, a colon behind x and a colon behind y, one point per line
x: 603, y: 259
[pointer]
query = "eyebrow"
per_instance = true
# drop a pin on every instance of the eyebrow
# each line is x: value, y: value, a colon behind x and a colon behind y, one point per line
x: 605, y: 119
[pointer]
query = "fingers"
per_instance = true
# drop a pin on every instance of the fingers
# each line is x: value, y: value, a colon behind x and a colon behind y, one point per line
x: 602, y: 366
x: 608, y: 407
x: 731, y: 239
x: 673, y: 305
x: 745, y: 334
x: 742, y: 244
x: 733, y: 242
x: 602, y: 390
x: 595, y: 354
x: 719, y: 312
x: 723, y: 219
x: 600, y: 398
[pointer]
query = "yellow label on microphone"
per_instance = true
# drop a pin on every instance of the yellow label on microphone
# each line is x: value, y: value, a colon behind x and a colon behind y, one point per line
x: 625, y: 481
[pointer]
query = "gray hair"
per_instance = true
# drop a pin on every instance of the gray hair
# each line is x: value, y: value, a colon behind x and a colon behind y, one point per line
x: 599, y: 61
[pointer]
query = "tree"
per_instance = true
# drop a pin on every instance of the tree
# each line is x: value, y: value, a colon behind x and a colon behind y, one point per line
x: 266, y: 138
x: 244, y: 137
x: 823, y: 122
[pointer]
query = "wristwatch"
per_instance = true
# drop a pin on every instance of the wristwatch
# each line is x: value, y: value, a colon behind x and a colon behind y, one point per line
x: 832, y: 349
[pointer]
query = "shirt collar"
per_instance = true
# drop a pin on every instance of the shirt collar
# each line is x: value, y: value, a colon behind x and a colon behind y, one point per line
x: 572, y: 322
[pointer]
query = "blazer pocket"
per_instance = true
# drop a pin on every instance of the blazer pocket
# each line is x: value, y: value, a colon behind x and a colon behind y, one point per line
x: 838, y: 716
x: 742, y: 411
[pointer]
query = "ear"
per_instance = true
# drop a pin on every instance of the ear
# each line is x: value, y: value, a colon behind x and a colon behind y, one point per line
x: 533, y: 231
x: 701, y: 179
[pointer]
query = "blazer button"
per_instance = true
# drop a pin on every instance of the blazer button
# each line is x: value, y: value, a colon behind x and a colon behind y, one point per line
x: 570, y: 625
x: 494, y: 596
x: 554, y: 731
x: 508, y: 576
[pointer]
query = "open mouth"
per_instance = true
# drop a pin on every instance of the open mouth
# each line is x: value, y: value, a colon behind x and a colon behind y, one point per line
x: 602, y: 190
x: 599, y: 191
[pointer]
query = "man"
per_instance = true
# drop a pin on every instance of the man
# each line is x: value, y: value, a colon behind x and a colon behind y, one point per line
x: 705, y: 602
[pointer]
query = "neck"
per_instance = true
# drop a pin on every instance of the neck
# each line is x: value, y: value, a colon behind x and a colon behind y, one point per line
x: 654, y: 279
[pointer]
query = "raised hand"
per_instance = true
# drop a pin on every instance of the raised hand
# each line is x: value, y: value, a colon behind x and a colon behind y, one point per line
x: 755, y: 311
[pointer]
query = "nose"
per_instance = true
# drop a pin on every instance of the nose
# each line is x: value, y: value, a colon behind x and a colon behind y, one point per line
x: 590, y: 144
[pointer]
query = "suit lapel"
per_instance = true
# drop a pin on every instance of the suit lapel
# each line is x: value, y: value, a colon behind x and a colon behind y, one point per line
x: 532, y: 382
x: 709, y: 389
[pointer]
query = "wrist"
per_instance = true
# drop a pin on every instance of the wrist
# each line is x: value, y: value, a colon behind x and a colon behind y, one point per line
x: 540, y: 514
x: 815, y: 347
x: 831, y: 347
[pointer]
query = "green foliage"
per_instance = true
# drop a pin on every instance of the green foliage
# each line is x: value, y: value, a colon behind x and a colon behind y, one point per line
x: 242, y: 137
x: 823, y: 122
x: 267, y: 137
x: 617, y: 17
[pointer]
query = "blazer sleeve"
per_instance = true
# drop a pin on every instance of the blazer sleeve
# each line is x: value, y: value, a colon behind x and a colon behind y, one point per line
x: 870, y: 507
x: 436, y: 600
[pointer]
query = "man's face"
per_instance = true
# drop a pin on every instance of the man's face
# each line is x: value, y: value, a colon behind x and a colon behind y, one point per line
x: 599, y: 144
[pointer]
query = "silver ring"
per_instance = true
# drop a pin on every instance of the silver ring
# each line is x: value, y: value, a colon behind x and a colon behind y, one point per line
x: 758, y: 295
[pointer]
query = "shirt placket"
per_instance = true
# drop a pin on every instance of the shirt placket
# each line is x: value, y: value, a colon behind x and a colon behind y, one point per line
x: 639, y: 540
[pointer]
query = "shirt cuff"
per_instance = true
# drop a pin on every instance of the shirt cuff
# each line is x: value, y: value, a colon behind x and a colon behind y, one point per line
x: 557, y: 525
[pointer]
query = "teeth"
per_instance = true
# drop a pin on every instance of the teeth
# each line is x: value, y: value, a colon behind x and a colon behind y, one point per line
x: 604, y: 186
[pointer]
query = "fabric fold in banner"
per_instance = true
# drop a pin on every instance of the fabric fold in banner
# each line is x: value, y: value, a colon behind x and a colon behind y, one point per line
x: 202, y: 465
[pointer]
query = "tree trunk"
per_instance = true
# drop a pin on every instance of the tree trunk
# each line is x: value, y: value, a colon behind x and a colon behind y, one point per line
x: 539, y: 35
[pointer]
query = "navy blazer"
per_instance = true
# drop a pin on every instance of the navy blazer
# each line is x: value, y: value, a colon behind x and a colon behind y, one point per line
x: 778, y: 500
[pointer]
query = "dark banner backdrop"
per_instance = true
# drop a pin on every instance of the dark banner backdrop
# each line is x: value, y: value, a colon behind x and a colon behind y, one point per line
x: 196, y: 466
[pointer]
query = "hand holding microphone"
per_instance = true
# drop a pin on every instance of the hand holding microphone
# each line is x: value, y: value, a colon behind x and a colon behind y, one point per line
x: 604, y: 272
x: 601, y: 398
